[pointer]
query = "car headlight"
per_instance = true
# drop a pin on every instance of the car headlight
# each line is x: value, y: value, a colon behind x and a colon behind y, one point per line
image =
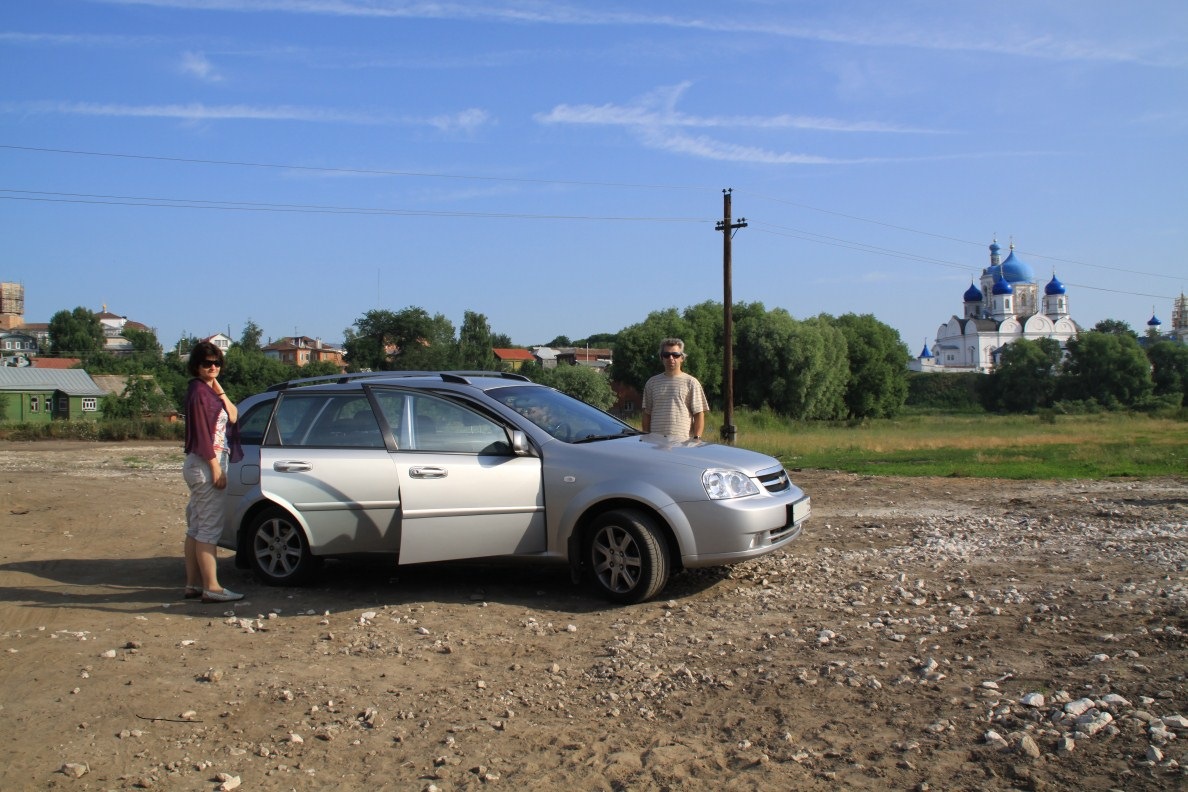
x: 721, y: 483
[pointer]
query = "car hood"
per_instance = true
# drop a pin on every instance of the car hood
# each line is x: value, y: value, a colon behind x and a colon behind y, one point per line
x: 653, y: 449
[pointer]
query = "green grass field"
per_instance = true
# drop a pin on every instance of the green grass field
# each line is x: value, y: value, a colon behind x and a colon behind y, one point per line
x: 991, y: 446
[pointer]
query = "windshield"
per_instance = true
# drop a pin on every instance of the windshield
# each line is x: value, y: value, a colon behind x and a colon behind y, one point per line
x: 563, y: 417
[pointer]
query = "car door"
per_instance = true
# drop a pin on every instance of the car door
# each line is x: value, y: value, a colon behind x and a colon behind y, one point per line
x: 326, y: 460
x: 463, y: 493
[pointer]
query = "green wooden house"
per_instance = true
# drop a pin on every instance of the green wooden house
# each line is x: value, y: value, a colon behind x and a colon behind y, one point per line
x: 33, y: 395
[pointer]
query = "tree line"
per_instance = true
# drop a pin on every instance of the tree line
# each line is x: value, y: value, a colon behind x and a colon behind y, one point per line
x: 820, y: 368
x: 1104, y: 368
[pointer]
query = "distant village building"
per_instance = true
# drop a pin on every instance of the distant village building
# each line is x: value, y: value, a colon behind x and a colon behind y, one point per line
x: 1179, y: 322
x: 114, y: 327
x: 35, y: 395
x: 1008, y: 306
x: 302, y: 350
x: 221, y: 340
x: 590, y: 357
x: 509, y: 359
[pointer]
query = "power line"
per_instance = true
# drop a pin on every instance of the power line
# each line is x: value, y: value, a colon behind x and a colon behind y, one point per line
x: 300, y: 208
x: 246, y: 206
x: 358, y: 171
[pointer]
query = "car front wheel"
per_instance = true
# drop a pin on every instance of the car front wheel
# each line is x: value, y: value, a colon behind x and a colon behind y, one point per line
x: 628, y: 556
x: 278, y: 550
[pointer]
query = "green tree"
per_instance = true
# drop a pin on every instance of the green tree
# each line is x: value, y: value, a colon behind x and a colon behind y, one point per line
x: 1169, y: 369
x: 141, y: 399
x: 637, y: 355
x: 407, y: 340
x: 75, y: 333
x: 1109, y: 368
x: 249, y: 339
x: 600, y: 340
x: 246, y: 372
x: 796, y: 368
x: 474, y: 343
x: 144, y: 342
x: 560, y: 342
x: 580, y: 382
x: 706, y: 326
x: 1025, y: 377
x: 1114, y: 327
x: 878, y: 360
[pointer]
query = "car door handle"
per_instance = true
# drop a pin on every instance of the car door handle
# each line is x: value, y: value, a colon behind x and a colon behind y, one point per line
x: 291, y: 466
x: 427, y: 472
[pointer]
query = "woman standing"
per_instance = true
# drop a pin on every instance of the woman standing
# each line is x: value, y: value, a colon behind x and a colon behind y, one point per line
x: 211, y: 440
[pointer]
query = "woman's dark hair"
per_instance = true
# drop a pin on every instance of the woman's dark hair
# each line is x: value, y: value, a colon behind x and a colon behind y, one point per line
x: 203, y: 350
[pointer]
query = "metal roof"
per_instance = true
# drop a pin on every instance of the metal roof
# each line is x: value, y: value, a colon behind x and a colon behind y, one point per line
x: 73, y: 382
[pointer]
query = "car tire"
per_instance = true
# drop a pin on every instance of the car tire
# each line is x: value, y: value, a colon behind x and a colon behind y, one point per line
x: 627, y: 556
x: 278, y: 549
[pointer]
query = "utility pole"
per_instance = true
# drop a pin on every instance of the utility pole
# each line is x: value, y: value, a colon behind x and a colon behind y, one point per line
x: 729, y: 431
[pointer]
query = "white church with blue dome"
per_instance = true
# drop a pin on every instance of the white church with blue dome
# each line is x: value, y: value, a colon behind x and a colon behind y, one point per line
x: 1008, y: 306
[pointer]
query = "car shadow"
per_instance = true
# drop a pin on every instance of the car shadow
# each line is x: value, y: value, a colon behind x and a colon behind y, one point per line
x: 145, y: 585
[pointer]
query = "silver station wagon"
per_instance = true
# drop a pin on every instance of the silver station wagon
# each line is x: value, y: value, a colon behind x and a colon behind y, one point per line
x: 425, y: 467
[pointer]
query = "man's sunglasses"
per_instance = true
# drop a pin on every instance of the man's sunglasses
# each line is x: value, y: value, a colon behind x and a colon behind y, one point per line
x: 672, y: 354
x: 211, y: 363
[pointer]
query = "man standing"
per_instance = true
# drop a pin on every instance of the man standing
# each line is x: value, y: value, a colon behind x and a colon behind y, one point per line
x: 674, y: 403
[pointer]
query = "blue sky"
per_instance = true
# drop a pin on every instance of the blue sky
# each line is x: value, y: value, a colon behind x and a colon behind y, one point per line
x: 559, y: 167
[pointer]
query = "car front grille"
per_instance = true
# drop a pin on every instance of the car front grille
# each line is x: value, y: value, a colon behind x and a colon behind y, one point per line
x: 776, y: 482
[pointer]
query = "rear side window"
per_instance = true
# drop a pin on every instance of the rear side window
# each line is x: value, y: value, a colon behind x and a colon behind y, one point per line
x: 325, y: 420
x: 254, y: 422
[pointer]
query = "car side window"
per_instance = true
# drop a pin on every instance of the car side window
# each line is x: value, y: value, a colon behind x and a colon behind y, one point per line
x: 391, y: 404
x: 253, y: 424
x: 443, y: 426
x: 343, y: 420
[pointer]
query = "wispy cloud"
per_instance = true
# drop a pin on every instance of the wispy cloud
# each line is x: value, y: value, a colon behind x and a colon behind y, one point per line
x: 465, y: 120
x: 660, y: 125
x: 198, y: 65
x: 885, y: 31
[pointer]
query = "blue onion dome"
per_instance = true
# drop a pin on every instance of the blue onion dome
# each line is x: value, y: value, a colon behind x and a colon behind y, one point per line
x: 1054, y: 286
x: 1154, y: 321
x: 1015, y: 270
x: 1001, y: 286
x: 994, y: 248
x: 926, y: 353
x: 973, y: 294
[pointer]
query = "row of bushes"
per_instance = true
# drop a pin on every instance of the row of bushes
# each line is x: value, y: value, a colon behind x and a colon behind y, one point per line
x: 111, y: 429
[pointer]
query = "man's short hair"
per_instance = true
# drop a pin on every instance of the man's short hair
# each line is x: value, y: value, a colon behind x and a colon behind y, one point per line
x: 672, y: 342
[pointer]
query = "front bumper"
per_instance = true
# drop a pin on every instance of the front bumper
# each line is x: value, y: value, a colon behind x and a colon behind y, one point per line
x: 734, y: 530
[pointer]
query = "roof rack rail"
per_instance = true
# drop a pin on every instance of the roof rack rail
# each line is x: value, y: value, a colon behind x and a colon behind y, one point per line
x: 342, y: 379
x: 463, y: 376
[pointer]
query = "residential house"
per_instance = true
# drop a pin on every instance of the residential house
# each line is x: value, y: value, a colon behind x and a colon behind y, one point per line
x: 37, y: 395
x: 303, y: 350
x: 546, y: 356
x: 221, y: 340
x: 513, y: 359
x: 114, y: 326
x: 17, y: 347
x: 59, y: 363
x: 585, y: 356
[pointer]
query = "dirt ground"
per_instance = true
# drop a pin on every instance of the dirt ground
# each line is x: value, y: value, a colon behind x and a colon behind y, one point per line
x: 924, y: 634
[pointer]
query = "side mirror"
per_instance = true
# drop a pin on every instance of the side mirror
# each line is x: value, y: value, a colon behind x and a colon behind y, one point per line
x: 520, y: 445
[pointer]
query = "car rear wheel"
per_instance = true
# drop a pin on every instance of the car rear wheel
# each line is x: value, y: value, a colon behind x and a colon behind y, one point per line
x: 278, y: 550
x: 628, y: 556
